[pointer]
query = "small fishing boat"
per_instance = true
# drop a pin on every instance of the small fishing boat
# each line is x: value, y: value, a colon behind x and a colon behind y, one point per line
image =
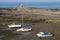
x: 14, y: 25
x: 44, y: 34
x: 24, y: 28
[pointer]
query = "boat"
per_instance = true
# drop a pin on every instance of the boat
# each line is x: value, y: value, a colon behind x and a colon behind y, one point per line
x: 44, y: 34
x: 14, y: 25
x: 24, y: 28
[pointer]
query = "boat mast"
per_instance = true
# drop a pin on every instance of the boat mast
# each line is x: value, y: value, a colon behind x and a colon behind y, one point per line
x: 22, y: 11
x: 22, y: 17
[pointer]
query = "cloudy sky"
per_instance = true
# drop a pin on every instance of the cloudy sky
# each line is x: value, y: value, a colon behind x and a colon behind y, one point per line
x: 30, y: 0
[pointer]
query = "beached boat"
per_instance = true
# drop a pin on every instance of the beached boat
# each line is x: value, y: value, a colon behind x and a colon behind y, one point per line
x: 14, y: 25
x: 24, y: 28
x: 44, y: 34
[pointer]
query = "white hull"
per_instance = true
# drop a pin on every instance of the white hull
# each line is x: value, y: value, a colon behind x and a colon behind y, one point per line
x: 39, y: 35
x: 14, y: 26
x: 44, y: 34
x: 24, y: 29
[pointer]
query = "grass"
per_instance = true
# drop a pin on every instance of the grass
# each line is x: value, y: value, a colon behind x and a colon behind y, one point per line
x: 7, y: 19
x: 27, y: 20
x: 35, y: 21
x: 4, y: 19
x: 53, y: 21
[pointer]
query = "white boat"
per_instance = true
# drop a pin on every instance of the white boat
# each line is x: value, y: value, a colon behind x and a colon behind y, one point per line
x: 14, y: 25
x: 24, y: 29
x: 44, y: 34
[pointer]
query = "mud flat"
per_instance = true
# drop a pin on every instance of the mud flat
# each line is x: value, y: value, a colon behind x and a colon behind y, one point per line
x: 37, y: 27
x: 34, y: 14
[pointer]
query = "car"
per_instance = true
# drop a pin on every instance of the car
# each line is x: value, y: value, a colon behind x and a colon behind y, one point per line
x: 24, y: 28
x: 44, y: 34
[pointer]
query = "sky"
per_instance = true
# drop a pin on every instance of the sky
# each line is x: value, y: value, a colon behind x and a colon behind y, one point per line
x: 30, y: 0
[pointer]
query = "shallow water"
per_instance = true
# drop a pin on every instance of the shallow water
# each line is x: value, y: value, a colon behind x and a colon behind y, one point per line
x: 46, y: 5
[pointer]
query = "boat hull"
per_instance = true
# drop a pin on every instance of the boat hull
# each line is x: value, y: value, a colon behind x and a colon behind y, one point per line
x: 25, y: 30
x: 14, y: 26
